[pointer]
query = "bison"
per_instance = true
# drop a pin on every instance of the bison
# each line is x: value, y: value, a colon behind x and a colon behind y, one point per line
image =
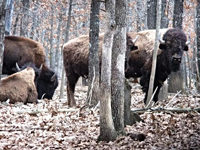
x: 75, y: 57
x: 19, y: 87
x: 171, y: 49
x: 23, y: 50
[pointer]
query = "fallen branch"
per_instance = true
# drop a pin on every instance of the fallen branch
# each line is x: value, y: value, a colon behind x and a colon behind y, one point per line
x: 36, y: 111
x: 159, y: 109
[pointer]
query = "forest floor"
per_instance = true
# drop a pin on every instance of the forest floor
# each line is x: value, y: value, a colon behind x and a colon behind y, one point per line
x: 51, y: 129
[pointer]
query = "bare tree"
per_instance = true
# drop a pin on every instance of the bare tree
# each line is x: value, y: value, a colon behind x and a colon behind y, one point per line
x: 164, y: 14
x: 153, y: 69
x: 151, y: 14
x: 177, y: 79
x: 66, y: 39
x: 107, y: 130
x: 198, y: 42
x: 9, y: 13
x: 118, y: 58
x: 2, y: 32
x: 24, y: 19
x: 52, y: 51
x: 93, y: 76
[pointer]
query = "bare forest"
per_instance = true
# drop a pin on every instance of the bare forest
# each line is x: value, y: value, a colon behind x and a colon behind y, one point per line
x: 106, y: 110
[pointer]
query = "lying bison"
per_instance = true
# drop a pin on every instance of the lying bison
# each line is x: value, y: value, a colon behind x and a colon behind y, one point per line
x: 23, y: 50
x: 169, y: 57
x: 75, y: 56
x: 19, y: 87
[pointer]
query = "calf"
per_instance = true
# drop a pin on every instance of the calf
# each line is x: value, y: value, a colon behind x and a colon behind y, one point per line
x: 19, y: 87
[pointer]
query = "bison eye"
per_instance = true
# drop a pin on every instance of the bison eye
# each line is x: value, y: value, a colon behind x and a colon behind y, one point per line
x: 162, y: 46
x: 185, y: 48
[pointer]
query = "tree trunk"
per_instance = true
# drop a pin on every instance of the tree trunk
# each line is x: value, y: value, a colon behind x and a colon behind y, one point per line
x: 25, y: 18
x: 198, y: 43
x: 177, y: 79
x: 52, y: 51
x: 66, y: 39
x: 9, y: 13
x: 151, y: 14
x: 141, y: 15
x: 118, y: 58
x: 2, y: 33
x: 93, y: 77
x: 33, y: 33
x: 107, y: 130
x: 164, y: 14
x: 153, y: 69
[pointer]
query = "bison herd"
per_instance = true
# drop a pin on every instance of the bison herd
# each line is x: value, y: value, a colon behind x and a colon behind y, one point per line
x: 30, y: 78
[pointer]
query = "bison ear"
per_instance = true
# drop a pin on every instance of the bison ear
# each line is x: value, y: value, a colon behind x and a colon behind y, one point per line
x: 185, y: 48
x: 162, y: 46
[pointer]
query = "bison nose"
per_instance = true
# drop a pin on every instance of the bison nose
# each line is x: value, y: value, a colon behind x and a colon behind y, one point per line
x: 178, y: 60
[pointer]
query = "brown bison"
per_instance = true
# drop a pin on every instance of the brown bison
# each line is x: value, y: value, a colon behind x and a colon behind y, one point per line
x: 171, y: 49
x: 22, y: 50
x: 19, y: 87
x: 75, y: 57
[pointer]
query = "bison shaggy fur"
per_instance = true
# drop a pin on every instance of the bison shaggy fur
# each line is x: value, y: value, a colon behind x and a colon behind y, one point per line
x: 19, y: 87
x: 23, y: 50
x: 170, y: 51
x: 76, y: 56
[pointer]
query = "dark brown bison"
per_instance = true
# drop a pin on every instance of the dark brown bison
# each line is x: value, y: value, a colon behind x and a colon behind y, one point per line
x: 75, y: 57
x: 169, y: 57
x: 22, y: 50
x: 19, y: 87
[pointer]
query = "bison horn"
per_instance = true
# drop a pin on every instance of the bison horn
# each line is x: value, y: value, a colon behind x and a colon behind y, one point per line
x: 134, y: 40
x: 161, y: 41
x: 187, y: 43
x: 17, y: 67
x: 53, y: 77
x: 40, y: 69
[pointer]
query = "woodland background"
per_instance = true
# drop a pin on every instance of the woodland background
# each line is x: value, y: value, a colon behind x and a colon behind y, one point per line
x: 46, y: 22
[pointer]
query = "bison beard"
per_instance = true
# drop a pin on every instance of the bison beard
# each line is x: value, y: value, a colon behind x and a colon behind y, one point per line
x: 22, y: 50
x: 75, y: 57
x: 169, y: 58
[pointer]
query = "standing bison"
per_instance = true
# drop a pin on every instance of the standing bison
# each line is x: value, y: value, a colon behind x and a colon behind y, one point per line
x: 22, y: 50
x: 19, y: 87
x: 75, y: 57
x: 171, y: 49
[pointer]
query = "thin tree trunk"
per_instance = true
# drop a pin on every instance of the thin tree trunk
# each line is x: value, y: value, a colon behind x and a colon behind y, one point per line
x: 153, y: 69
x: 52, y: 52
x: 2, y: 33
x: 177, y: 79
x: 118, y: 58
x: 66, y: 39
x: 25, y: 18
x: 198, y: 44
x: 9, y: 13
x: 151, y: 14
x: 93, y: 77
x: 107, y: 130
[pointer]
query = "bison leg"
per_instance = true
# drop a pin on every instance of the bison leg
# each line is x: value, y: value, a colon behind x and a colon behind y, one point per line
x: 144, y: 82
x: 71, y: 83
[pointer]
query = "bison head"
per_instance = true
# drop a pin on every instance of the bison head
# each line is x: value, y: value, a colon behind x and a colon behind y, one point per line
x: 173, y: 44
x: 37, y: 70
x: 47, y: 83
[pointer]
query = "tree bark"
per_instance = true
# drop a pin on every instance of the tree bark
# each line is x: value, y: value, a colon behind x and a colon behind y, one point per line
x: 164, y: 14
x: 177, y: 79
x: 198, y: 43
x: 118, y: 58
x: 93, y: 77
x: 9, y: 13
x: 2, y: 33
x: 151, y: 14
x: 66, y: 39
x: 25, y: 18
x: 52, y: 52
x: 107, y: 130
x: 153, y: 69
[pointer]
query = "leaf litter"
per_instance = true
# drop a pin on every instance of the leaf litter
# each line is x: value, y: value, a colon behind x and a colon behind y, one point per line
x: 70, y: 130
